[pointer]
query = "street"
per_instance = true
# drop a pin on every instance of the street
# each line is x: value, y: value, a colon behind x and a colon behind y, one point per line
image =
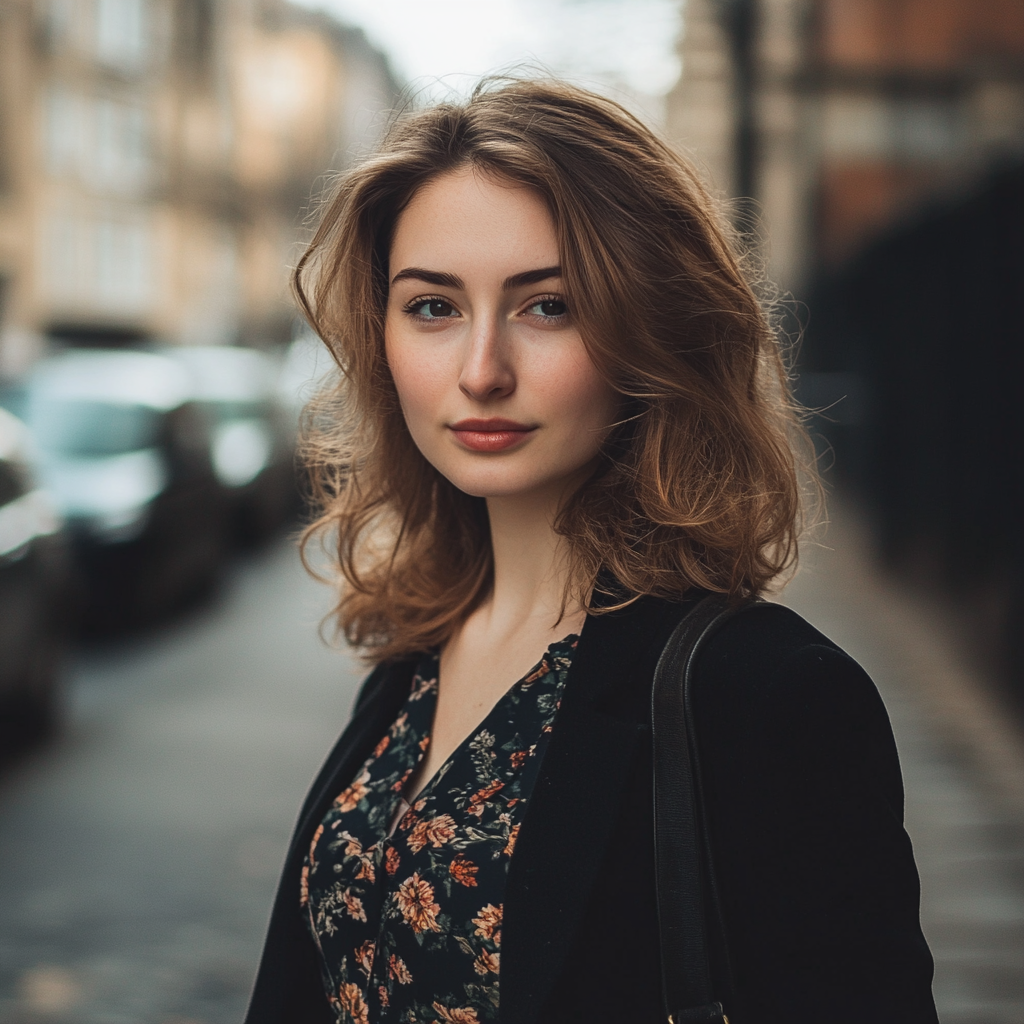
x: 139, y: 853
x: 139, y: 850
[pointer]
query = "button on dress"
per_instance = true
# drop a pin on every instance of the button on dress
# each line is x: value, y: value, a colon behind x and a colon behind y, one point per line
x: 408, y: 922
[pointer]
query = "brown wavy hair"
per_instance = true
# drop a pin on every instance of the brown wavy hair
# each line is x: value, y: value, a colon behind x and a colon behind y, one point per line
x: 696, y: 486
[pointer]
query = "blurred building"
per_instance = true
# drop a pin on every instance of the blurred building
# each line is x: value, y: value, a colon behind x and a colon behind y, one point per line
x: 700, y: 112
x: 841, y: 117
x: 882, y: 145
x: 156, y: 160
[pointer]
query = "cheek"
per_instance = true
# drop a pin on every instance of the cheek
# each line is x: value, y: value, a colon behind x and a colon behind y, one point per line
x: 418, y: 378
x: 584, y: 393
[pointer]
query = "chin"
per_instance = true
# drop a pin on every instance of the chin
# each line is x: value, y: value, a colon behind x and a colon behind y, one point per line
x: 495, y: 481
x: 477, y: 488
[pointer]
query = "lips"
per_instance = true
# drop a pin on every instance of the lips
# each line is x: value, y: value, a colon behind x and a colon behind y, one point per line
x: 494, y: 435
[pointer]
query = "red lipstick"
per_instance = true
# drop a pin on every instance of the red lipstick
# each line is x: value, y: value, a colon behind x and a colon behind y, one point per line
x: 494, y: 435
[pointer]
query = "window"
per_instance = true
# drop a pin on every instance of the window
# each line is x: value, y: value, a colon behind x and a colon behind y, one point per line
x: 120, y: 154
x: 65, y: 142
x: 122, y: 35
x: 122, y: 267
x: 100, y: 262
x: 879, y: 127
x: 103, y: 140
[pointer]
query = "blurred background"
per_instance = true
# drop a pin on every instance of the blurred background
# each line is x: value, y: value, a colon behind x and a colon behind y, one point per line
x: 164, y: 695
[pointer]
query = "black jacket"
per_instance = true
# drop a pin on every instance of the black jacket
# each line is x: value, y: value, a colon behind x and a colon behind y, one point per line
x: 805, y: 806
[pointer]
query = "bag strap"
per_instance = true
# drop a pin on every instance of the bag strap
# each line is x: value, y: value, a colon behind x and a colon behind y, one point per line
x: 683, y: 866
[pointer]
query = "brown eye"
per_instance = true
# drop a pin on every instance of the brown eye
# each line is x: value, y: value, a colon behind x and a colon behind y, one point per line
x: 550, y: 308
x: 434, y: 309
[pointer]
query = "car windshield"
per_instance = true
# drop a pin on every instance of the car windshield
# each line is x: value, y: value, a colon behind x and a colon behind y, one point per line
x: 13, y: 398
x: 226, y: 411
x: 92, y: 429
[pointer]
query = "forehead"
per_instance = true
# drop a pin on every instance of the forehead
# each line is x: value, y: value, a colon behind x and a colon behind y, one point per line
x: 474, y: 218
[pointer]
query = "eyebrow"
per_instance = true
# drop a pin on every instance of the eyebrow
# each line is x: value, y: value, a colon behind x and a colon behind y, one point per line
x: 445, y: 280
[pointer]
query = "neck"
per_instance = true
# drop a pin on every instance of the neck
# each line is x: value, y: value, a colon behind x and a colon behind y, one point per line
x: 530, y: 570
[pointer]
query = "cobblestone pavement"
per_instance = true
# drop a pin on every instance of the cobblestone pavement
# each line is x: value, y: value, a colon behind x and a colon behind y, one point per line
x: 139, y: 852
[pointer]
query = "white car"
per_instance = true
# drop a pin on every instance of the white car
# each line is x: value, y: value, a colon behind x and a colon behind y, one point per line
x: 252, y: 444
x: 125, y: 453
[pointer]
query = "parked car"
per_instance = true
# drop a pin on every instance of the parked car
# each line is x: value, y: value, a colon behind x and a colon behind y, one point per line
x: 126, y: 454
x: 253, y: 445
x: 307, y: 366
x: 35, y: 592
x: 306, y: 369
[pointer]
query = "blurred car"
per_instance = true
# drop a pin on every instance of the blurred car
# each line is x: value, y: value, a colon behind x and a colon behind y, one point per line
x: 13, y: 397
x: 252, y: 443
x: 126, y: 455
x: 306, y: 368
x: 35, y: 591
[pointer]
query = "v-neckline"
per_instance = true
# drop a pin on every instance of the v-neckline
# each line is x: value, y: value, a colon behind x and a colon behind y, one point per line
x: 445, y: 766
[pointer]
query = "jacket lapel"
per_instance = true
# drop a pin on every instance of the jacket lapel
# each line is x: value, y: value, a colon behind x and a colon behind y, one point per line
x: 376, y: 708
x: 289, y: 973
x: 565, y: 834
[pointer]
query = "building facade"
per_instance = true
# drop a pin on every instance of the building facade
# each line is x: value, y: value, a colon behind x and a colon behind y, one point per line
x: 841, y: 117
x: 156, y: 158
x: 884, y: 147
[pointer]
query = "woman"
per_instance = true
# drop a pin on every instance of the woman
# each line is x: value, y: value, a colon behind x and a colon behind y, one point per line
x: 562, y: 419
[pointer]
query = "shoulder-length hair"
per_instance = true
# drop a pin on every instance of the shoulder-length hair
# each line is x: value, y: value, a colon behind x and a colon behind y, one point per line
x: 697, y: 485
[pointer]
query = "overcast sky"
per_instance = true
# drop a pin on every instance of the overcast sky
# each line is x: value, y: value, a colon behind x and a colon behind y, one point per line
x: 624, y: 44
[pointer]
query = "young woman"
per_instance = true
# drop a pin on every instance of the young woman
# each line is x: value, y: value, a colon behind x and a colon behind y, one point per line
x: 562, y: 419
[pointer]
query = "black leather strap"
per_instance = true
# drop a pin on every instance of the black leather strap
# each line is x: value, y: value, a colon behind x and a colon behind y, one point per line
x: 685, y: 872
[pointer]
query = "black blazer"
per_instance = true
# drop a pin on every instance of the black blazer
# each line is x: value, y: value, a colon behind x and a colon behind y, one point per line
x: 805, y: 807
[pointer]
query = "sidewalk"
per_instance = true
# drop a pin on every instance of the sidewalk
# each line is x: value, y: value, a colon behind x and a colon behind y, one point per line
x: 963, y: 765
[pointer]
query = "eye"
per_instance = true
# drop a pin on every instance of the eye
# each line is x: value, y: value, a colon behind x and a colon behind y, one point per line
x: 431, y: 309
x: 549, y: 309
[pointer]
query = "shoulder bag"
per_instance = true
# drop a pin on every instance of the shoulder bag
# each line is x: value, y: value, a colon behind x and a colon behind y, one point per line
x: 687, y: 894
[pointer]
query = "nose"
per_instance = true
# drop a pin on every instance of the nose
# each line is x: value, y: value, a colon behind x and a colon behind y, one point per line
x: 487, y: 371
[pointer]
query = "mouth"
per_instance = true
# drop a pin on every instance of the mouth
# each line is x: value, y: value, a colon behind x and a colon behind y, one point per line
x: 494, y: 435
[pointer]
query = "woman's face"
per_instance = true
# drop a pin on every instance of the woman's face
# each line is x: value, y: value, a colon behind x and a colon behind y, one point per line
x: 497, y: 388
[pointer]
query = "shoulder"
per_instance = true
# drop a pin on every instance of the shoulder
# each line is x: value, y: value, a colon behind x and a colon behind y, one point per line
x: 769, y: 650
x: 766, y: 656
x: 769, y: 679
x: 763, y: 634
x: 781, y: 711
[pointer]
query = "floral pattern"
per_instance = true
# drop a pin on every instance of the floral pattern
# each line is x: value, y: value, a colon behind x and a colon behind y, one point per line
x: 408, y: 922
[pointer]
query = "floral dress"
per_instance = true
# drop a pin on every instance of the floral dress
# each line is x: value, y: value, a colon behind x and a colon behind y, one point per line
x: 408, y: 922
